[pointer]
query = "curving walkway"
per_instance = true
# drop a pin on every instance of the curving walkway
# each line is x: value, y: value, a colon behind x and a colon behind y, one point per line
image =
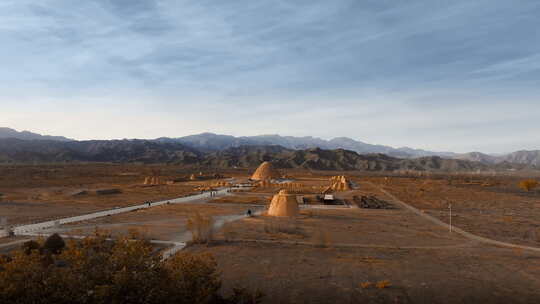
x: 468, y: 235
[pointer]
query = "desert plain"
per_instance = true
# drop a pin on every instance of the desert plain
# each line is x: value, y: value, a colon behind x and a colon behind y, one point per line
x: 336, y: 252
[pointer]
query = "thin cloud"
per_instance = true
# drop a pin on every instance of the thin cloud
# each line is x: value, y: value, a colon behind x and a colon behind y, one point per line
x: 323, y: 68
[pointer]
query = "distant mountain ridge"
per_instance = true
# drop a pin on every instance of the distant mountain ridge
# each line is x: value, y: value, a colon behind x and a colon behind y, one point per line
x: 216, y: 142
x: 524, y: 157
x: 210, y: 142
x: 27, y: 135
x: 14, y: 150
x: 144, y: 151
x: 338, y: 159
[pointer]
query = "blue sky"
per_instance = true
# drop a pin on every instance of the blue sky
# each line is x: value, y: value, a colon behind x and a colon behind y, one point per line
x: 440, y: 75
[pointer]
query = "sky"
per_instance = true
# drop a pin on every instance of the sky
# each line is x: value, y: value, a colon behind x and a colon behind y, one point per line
x: 458, y: 75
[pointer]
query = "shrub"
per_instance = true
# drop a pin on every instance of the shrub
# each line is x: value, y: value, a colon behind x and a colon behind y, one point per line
x: 95, y: 270
x: 282, y: 225
x: 528, y: 184
x: 29, y: 246
x: 383, y: 284
x: 322, y: 240
x: 366, y: 285
x: 54, y: 244
x: 201, y: 228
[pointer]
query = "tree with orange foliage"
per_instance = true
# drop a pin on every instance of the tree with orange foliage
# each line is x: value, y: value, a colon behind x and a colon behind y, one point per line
x: 528, y: 184
x: 96, y: 270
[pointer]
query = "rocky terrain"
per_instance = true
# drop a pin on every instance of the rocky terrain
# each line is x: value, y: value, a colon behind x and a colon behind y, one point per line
x: 210, y: 142
x: 216, y: 142
x: 226, y: 151
x: 144, y: 151
x: 119, y: 151
x: 529, y: 158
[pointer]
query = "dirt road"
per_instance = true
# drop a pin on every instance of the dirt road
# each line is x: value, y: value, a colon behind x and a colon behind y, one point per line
x: 462, y: 232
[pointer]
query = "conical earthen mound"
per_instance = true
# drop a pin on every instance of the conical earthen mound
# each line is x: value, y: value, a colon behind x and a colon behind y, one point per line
x: 265, y: 171
x: 283, y: 204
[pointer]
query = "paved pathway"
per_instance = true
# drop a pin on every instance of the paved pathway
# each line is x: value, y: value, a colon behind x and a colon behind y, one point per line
x: 219, y: 222
x: 464, y: 233
x: 27, y: 229
x: 14, y: 243
x: 176, y: 246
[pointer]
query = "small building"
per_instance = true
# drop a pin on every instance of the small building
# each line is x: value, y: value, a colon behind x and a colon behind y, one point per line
x: 328, y: 199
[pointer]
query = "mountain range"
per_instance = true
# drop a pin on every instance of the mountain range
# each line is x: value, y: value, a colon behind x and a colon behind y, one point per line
x: 27, y: 135
x: 147, y: 151
x: 215, y: 142
x: 209, y: 142
x: 214, y: 145
x: 14, y: 150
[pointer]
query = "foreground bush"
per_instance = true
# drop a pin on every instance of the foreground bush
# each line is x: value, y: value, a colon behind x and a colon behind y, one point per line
x: 98, y: 271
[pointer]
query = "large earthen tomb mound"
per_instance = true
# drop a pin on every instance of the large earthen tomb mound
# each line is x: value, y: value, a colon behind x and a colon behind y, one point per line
x: 284, y: 204
x: 266, y: 171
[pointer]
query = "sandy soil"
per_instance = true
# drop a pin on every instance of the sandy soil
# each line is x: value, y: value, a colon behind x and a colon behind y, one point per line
x: 168, y: 223
x: 39, y: 193
x: 304, y: 274
x: 323, y: 256
x: 392, y: 228
x: 249, y: 199
x: 423, y: 263
x: 501, y: 211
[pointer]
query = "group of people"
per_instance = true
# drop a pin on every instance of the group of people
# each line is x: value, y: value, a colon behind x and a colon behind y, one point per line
x: 213, y: 193
x: 149, y: 203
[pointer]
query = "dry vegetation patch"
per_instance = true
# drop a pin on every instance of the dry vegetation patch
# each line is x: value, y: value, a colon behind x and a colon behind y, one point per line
x: 39, y: 193
x: 502, y: 211
x: 289, y: 273
x: 242, y: 199
x: 346, y: 227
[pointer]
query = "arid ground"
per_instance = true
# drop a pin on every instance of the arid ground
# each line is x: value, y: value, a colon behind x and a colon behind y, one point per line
x: 328, y: 254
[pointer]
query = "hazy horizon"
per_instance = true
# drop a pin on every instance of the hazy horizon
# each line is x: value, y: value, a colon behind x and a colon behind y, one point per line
x: 282, y: 135
x: 461, y: 76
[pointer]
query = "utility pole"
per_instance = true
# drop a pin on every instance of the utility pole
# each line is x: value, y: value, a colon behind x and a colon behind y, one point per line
x: 450, y: 207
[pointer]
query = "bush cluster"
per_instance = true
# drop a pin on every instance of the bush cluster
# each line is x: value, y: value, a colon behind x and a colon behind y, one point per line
x: 528, y: 184
x: 95, y: 270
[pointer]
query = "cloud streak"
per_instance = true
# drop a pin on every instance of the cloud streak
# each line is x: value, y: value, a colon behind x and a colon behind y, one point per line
x: 420, y: 71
